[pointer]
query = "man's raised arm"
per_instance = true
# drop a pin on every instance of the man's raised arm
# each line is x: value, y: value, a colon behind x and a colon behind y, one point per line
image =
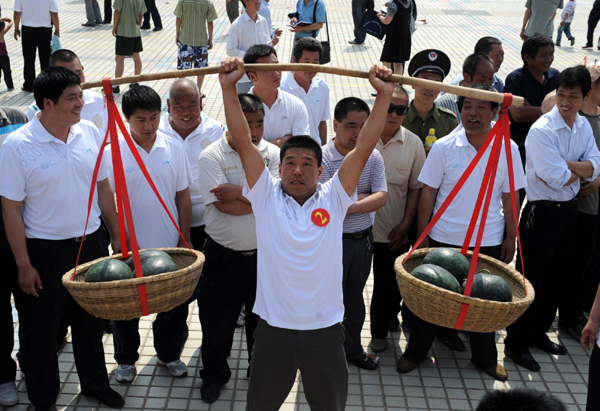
x: 355, y: 161
x: 236, y: 121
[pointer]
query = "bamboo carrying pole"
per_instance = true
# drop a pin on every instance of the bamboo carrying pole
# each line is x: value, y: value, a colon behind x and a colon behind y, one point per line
x: 413, y: 81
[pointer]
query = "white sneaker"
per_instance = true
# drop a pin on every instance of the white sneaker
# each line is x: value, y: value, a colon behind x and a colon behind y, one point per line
x: 176, y: 368
x: 8, y: 394
x: 125, y: 373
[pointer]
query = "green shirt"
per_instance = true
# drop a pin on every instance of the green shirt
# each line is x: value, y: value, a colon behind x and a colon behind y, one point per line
x: 439, y: 118
x: 129, y: 20
x: 194, y: 14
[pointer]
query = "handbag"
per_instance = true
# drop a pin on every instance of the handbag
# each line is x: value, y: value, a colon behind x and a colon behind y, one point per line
x: 371, y: 24
x: 326, y: 56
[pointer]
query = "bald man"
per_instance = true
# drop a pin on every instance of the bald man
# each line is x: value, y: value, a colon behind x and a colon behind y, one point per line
x: 185, y: 122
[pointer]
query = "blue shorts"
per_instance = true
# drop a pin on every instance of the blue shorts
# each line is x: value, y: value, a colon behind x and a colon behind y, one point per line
x: 191, y: 56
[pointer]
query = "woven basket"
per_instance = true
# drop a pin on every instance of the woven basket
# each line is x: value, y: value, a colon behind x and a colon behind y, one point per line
x: 442, y: 307
x: 120, y: 300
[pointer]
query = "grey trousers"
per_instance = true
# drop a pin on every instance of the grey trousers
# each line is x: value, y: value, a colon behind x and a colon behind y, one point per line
x: 233, y: 10
x: 92, y: 12
x: 279, y: 353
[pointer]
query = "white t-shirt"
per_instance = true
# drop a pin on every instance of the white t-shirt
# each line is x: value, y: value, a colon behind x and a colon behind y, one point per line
x: 299, y: 268
x: 316, y: 101
x: 570, y: 9
x: 221, y: 164
x: 52, y: 179
x: 447, y: 161
x: 204, y: 135
x: 168, y: 167
x: 36, y: 13
x: 287, y: 115
x: 94, y: 110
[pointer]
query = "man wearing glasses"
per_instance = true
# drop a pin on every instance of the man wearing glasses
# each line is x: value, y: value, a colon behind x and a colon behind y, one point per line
x: 403, y: 158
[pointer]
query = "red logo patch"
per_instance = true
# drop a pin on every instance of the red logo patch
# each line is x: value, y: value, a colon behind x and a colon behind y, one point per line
x: 320, y: 217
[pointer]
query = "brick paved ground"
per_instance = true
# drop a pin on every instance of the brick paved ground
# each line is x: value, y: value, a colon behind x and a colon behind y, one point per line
x: 447, y: 380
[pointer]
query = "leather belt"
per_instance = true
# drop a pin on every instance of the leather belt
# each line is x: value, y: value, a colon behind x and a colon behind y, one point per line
x: 359, y: 235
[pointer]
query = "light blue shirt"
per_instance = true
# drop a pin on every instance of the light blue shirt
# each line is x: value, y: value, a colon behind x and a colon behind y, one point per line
x: 549, y: 145
x: 305, y: 13
x: 266, y: 13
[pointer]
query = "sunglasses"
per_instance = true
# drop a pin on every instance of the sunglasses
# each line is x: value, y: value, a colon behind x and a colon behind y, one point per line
x: 400, y: 110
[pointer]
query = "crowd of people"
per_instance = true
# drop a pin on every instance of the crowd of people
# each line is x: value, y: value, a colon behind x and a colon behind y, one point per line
x: 292, y: 220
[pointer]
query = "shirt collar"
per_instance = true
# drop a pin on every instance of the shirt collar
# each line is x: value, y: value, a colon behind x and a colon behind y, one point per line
x: 558, y: 121
x: 39, y: 132
x: 398, y: 137
x: 171, y: 131
x: 547, y: 75
x: 334, y: 151
x: 277, y: 99
x: 412, y: 113
x: 291, y: 81
x: 159, y: 142
x: 247, y: 18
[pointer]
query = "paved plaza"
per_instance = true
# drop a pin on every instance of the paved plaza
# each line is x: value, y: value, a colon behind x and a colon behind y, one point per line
x: 447, y: 380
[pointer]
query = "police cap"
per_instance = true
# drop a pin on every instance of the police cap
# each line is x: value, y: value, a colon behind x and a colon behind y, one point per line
x: 431, y: 60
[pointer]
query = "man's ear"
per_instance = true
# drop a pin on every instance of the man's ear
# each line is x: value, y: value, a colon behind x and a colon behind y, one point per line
x: 252, y: 76
x: 335, y: 125
x: 169, y: 105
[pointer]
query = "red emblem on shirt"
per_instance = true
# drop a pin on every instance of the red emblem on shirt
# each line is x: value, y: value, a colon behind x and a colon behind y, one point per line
x: 320, y: 217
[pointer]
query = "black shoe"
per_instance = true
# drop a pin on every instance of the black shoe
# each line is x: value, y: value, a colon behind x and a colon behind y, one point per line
x: 105, y: 21
x: 145, y: 27
x: 557, y: 44
x: 524, y: 359
x: 587, y: 46
x: 551, y: 348
x: 355, y: 42
x: 453, y: 342
x: 367, y: 362
x: 572, y: 40
x: 89, y: 25
x: 157, y: 29
x: 107, y: 397
x: 210, y: 392
x: 26, y: 90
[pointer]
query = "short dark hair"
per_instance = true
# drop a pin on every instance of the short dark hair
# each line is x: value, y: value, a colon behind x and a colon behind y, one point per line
x: 485, y: 44
x: 302, y: 142
x: 258, y: 51
x: 399, y: 89
x: 522, y: 399
x: 478, y: 86
x: 533, y: 44
x: 573, y: 77
x: 62, y: 55
x: 308, y: 44
x: 140, y: 98
x: 473, y: 61
x: 51, y: 83
x: 251, y: 103
x: 348, y: 104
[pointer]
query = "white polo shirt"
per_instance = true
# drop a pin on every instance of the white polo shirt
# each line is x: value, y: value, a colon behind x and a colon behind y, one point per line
x: 168, y: 167
x: 287, y: 115
x: 204, y: 135
x: 447, y: 161
x: 299, y: 266
x: 94, y: 110
x: 316, y: 101
x: 36, y: 13
x: 221, y: 164
x: 52, y: 179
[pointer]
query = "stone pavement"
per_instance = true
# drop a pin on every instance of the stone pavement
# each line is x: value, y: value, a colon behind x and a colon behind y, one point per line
x: 447, y: 380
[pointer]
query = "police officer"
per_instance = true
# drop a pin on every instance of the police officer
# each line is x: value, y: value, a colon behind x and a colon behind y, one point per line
x: 423, y: 114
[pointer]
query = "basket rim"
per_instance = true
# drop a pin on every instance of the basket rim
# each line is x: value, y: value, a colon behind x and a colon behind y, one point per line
x: 515, y: 276
x: 67, y: 281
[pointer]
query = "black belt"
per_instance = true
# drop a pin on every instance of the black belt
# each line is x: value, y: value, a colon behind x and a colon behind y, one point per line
x: 247, y: 253
x: 359, y: 235
x: 547, y: 203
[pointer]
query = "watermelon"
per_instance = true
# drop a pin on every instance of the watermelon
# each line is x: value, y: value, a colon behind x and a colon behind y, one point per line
x: 489, y: 287
x: 157, y: 265
x: 436, y: 275
x: 144, y: 255
x: 108, y: 270
x: 450, y: 259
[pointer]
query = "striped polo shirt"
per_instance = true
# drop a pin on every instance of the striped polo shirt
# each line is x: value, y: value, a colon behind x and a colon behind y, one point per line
x: 372, y: 179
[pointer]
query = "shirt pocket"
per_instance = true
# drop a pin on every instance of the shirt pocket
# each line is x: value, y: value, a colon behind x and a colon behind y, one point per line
x: 398, y: 174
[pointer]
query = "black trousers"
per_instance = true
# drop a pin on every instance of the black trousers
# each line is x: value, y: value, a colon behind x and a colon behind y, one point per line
x: 198, y: 237
x: 34, y: 39
x: 593, y: 395
x: 107, y: 11
x: 386, y: 298
x: 484, y: 353
x: 357, y: 257
x: 169, y: 330
x: 359, y: 8
x: 8, y: 285
x: 5, y: 67
x: 40, y: 318
x: 228, y: 280
x: 152, y: 11
x: 593, y: 19
x: 592, y: 276
x: 548, y: 238
x: 570, y: 308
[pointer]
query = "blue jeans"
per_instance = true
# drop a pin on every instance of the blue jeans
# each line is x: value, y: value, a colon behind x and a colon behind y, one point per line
x: 567, y: 29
